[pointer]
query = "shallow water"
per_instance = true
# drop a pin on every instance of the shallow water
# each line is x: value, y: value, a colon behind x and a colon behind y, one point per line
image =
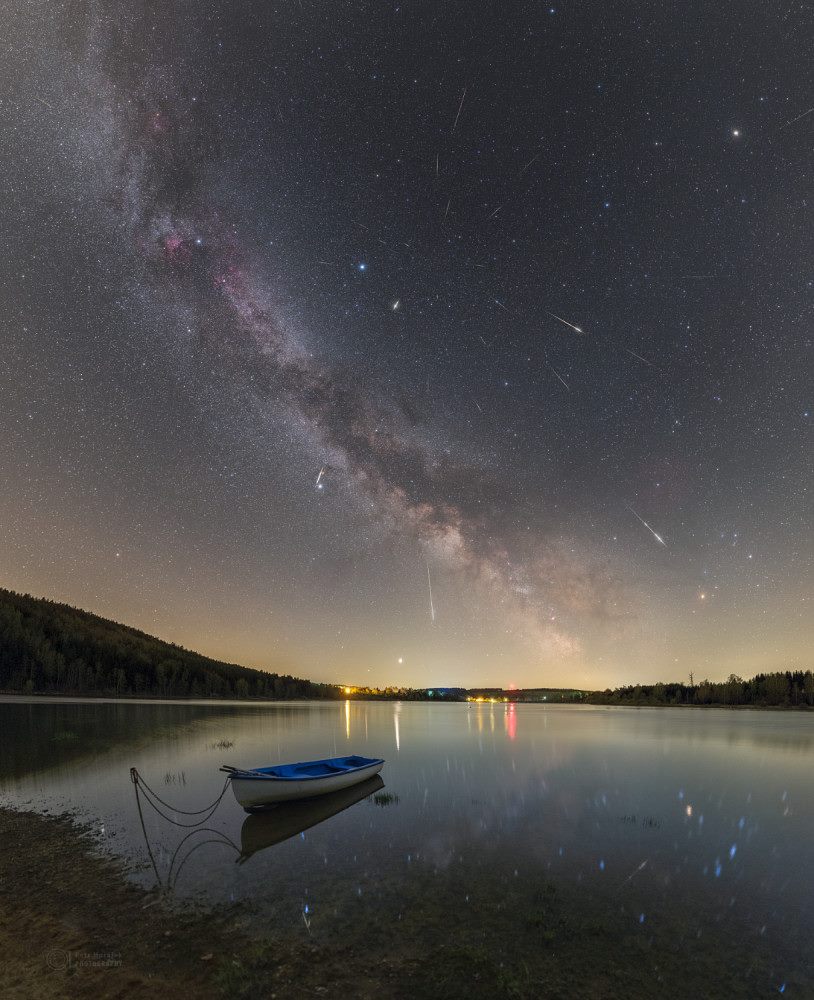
x: 649, y: 842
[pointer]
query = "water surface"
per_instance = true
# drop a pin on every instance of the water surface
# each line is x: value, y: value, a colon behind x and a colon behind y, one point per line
x: 649, y: 844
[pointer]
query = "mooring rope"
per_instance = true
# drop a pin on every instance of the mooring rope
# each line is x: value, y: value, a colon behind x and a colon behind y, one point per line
x: 219, y: 838
x: 141, y: 786
x: 149, y: 795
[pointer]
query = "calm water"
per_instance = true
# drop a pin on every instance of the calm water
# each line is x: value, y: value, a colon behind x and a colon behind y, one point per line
x: 659, y: 843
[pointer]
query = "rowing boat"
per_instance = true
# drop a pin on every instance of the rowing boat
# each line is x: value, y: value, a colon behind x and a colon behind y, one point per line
x: 259, y: 787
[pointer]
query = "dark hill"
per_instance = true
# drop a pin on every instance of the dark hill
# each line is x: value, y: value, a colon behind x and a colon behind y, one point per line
x: 53, y: 648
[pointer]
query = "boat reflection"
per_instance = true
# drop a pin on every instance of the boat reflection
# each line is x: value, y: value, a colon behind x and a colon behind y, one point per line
x: 262, y: 830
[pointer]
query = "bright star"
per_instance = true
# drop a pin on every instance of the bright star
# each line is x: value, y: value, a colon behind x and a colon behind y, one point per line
x: 363, y: 267
x: 736, y: 132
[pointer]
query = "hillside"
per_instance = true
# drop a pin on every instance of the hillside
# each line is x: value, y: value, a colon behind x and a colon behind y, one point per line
x: 51, y: 648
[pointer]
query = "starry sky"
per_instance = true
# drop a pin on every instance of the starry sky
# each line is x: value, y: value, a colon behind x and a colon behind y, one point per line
x: 415, y: 343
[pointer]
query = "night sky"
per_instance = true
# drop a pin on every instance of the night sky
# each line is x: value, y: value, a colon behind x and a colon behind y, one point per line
x: 423, y: 343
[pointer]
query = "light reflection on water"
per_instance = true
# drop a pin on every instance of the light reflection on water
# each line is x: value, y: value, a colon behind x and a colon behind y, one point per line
x: 663, y: 815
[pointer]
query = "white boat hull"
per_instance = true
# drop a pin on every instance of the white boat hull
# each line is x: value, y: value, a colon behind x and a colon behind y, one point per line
x: 256, y: 793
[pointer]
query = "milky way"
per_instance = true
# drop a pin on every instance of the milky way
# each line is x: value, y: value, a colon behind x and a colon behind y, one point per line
x: 296, y: 235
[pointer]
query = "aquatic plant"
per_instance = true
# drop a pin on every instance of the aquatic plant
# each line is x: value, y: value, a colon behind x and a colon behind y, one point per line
x: 384, y: 799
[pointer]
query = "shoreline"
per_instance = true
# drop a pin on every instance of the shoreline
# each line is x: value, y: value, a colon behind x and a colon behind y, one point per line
x: 72, y: 925
x: 10, y: 697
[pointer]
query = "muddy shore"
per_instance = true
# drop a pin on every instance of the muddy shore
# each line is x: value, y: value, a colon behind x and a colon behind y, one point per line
x: 72, y: 926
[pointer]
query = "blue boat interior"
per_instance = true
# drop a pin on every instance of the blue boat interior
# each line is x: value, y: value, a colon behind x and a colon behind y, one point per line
x: 316, y: 768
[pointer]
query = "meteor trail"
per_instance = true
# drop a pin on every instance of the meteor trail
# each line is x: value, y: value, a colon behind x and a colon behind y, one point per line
x: 633, y: 354
x: 793, y: 120
x: 567, y: 386
x: 655, y: 534
x: 463, y: 95
x: 319, y: 478
x: 429, y: 584
x: 576, y: 329
x: 532, y: 160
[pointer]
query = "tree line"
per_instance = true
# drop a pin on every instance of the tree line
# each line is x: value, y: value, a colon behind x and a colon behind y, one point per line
x: 782, y: 689
x: 49, y: 648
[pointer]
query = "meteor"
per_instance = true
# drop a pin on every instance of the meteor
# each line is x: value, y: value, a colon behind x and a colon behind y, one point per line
x: 576, y: 329
x: 318, y: 483
x: 429, y: 584
x: 532, y: 160
x: 638, y: 357
x: 460, y: 106
x: 793, y: 120
x: 655, y: 534
x: 567, y: 386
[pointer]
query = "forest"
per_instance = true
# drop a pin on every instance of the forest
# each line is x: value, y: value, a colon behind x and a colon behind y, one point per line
x: 780, y: 689
x: 49, y: 648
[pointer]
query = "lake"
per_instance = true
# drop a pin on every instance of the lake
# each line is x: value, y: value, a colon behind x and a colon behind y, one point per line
x: 601, y: 851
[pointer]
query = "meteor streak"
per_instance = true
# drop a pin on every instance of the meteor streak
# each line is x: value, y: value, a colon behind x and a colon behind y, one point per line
x: 576, y: 329
x: 638, y: 357
x: 567, y: 386
x: 317, y: 484
x: 655, y: 534
x: 532, y: 160
x: 460, y: 106
x: 429, y: 584
x: 793, y: 120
